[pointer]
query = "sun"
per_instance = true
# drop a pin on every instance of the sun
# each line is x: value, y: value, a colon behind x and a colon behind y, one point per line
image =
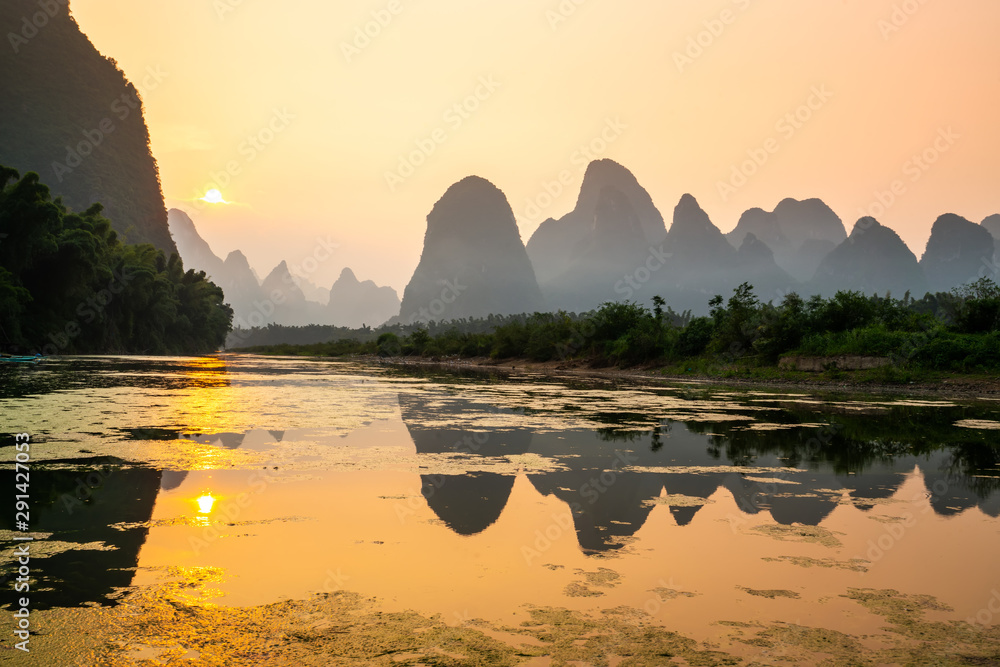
x: 213, y: 196
x: 205, y: 503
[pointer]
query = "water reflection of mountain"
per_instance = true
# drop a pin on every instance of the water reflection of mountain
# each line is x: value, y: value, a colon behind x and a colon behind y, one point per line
x: 468, y: 504
x: 864, y: 455
x: 80, y: 507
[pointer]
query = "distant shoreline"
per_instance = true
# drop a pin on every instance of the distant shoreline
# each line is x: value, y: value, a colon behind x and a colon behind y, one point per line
x: 960, y: 385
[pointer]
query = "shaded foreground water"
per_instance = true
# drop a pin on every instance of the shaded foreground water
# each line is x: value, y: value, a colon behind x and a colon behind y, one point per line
x: 238, y: 510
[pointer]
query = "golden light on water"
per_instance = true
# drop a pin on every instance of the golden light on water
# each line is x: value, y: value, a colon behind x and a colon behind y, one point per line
x: 205, y: 503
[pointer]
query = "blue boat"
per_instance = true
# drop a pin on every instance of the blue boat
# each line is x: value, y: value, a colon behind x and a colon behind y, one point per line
x: 21, y: 360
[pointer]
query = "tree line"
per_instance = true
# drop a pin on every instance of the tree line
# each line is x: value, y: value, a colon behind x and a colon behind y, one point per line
x: 957, y: 331
x: 69, y: 285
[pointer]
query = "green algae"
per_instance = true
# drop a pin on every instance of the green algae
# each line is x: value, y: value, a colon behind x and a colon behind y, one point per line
x: 853, y: 565
x: 770, y: 594
x: 799, y: 533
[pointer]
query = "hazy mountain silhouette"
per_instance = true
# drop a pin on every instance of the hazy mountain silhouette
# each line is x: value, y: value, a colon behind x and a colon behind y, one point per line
x: 755, y: 264
x: 243, y: 292
x: 311, y: 290
x: 873, y: 259
x: 557, y: 243
x: 703, y: 263
x: 473, y: 262
x: 353, y: 303
x: 71, y: 115
x: 992, y: 225
x: 956, y: 252
x: 614, y: 246
x: 800, y: 233
x: 283, y: 297
x: 290, y: 304
x: 194, y: 250
x: 694, y: 241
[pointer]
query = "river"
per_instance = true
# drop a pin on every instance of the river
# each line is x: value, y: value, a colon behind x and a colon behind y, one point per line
x: 368, y: 513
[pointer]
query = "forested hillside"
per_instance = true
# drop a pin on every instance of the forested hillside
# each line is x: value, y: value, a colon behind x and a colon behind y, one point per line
x: 69, y: 114
x: 68, y: 285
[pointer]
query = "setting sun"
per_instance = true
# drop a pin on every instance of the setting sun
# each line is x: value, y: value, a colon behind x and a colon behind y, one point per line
x: 213, y: 196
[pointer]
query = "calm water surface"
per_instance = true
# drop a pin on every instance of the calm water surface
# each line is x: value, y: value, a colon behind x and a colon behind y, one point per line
x: 711, y: 512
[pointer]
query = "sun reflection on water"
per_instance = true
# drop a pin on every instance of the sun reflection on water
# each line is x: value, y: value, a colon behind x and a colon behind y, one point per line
x: 205, y: 503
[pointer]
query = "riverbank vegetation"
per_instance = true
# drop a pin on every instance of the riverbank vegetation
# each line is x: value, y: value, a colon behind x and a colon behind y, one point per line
x: 957, y: 332
x: 68, y: 285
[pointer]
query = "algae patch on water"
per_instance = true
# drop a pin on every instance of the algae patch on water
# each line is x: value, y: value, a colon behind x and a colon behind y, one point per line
x: 677, y: 500
x: 769, y: 593
x: 162, y: 625
x: 854, y: 564
x: 909, y: 639
x: 799, y: 533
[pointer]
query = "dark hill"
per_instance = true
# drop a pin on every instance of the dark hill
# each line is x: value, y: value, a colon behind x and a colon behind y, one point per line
x: 873, y: 259
x: 557, y: 244
x: 957, y: 251
x: 800, y: 233
x: 69, y: 114
x: 473, y: 263
x: 354, y: 303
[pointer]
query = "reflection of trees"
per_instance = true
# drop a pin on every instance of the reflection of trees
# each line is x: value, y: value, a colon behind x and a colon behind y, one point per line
x: 857, y: 443
x: 969, y: 460
x: 80, y: 506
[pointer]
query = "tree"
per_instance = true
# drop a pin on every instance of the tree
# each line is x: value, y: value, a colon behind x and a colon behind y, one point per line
x: 69, y: 285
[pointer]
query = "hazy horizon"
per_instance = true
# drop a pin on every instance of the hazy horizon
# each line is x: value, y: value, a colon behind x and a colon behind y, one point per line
x: 886, y: 81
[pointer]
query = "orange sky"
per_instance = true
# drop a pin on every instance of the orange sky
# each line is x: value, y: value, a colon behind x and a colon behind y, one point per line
x: 332, y: 116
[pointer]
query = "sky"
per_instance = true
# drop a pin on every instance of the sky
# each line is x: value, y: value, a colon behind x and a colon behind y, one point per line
x: 340, y: 124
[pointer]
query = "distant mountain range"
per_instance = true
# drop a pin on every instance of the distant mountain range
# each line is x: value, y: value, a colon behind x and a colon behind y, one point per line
x: 282, y: 297
x: 69, y: 114
x: 612, y: 246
